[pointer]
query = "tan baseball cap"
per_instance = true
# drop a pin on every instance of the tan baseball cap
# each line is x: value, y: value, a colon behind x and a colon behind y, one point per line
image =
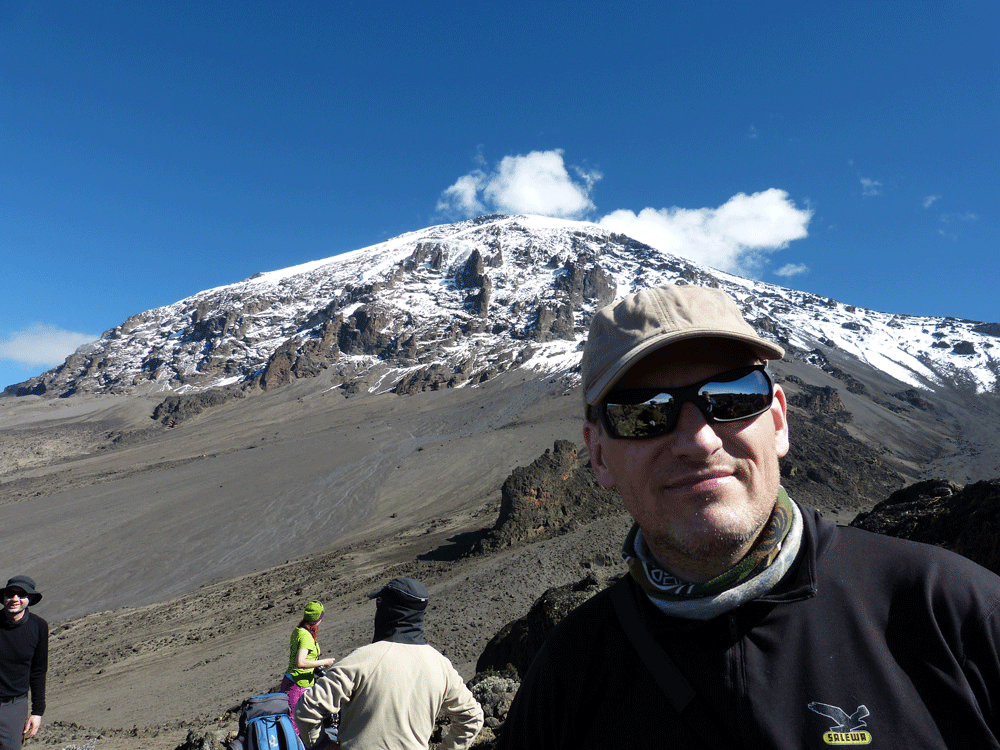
x: 623, y: 333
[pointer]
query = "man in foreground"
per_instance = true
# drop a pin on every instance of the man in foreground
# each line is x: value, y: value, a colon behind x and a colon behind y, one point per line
x: 390, y: 692
x: 24, y: 660
x: 746, y: 620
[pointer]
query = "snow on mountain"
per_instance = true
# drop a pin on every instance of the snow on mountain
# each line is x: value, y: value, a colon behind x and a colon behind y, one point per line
x: 457, y: 304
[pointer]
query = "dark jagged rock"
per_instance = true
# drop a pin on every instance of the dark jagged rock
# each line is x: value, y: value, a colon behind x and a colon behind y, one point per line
x: 518, y: 642
x: 175, y: 409
x: 365, y: 332
x: 913, y: 397
x: 279, y: 367
x: 555, y: 494
x: 479, y: 301
x: 471, y: 274
x: 584, y: 279
x: 200, y: 741
x: 989, y: 329
x: 494, y: 692
x: 427, y: 378
x: 820, y: 400
x: 33, y: 387
x: 553, y: 323
x: 965, y: 519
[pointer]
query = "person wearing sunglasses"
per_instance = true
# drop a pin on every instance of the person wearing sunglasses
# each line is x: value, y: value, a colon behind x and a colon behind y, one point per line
x: 24, y: 660
x: 745, y: 619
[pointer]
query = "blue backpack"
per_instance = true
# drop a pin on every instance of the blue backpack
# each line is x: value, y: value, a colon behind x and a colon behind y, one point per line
x: 272, y: 733
x: 266, y: 725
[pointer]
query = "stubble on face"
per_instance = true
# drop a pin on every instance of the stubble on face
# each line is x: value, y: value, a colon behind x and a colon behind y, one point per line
x: 708, y: 537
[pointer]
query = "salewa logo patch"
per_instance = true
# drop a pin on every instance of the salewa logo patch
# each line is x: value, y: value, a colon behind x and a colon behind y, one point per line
x: 847, y: 729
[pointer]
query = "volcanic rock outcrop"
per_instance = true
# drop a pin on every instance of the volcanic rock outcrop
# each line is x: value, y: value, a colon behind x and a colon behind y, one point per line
x: 555, y: 494
x: 964, y: 519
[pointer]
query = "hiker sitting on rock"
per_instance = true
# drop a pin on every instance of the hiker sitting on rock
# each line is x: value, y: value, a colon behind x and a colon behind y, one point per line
x: 745, y: 620
x: 303, y: 657
x: 390, y: 692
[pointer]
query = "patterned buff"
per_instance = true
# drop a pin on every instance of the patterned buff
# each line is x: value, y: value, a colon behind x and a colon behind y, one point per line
x: 752, y: 576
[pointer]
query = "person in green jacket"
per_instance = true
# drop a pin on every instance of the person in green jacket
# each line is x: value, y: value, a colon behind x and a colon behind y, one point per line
x: 303, y: 657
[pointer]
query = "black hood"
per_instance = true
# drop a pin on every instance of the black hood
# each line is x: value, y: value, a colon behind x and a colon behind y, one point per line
x: 400, y: 614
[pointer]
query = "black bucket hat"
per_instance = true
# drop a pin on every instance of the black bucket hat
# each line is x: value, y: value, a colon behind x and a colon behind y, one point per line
x: 28, y: 585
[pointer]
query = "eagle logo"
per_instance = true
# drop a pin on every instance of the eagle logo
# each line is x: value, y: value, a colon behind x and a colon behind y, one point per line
x: 844, y: 722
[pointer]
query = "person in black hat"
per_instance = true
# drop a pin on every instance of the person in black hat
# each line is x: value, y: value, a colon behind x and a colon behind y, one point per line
x: 24, y: 660
x: 390, y: 692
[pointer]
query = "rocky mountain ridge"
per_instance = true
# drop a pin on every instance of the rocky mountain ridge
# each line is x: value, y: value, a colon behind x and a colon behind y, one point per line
x: 458, y: 304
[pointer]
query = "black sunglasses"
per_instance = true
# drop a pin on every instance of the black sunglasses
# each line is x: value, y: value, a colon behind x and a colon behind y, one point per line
x: 649, y: 412
x: 14, y: 594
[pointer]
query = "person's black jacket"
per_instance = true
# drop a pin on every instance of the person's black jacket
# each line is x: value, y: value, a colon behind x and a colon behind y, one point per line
x: 24, y: 659
x: 870, y: 637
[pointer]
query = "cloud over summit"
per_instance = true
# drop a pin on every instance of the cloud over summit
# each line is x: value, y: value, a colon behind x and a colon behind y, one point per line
x: 735, y: 237
x: 536, y: 183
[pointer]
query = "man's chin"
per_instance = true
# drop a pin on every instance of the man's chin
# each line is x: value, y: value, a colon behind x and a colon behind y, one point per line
x: 699, y: 544
x: 716, y: 534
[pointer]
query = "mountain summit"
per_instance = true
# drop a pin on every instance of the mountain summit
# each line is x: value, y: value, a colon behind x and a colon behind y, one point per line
x: 458, y: 304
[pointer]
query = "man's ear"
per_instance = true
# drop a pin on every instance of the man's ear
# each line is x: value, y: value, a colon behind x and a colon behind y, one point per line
x: 594, y: 437
x: 779, y: 413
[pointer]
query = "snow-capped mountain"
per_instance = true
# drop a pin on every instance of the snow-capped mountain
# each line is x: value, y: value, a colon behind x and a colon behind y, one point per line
x: 460, y: 303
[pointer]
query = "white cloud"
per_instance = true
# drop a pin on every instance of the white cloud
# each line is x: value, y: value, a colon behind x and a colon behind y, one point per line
x: 42, y: 345
x: 950, y: 218
x: 870, y: 188
x: 930, y: 200
x: 536, y: 183
x: 792, y: 269
x: 734, y: 237
x: 461, y: 197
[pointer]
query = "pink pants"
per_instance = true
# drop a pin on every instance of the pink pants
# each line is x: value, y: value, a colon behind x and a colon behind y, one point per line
x: 294, y: 693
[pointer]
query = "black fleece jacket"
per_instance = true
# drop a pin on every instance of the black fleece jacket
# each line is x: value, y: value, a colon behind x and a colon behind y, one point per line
x: 24, y: 659
x: 867, y: 639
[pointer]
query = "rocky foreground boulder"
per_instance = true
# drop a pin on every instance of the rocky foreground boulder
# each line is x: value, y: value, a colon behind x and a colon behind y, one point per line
x: 964, y: 519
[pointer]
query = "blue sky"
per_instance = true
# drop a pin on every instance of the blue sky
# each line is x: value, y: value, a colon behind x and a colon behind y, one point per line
x: 149, y: 151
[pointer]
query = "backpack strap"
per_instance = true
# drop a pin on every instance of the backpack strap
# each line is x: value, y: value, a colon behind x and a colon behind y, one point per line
x: 287, y: 738
x: 673, y: 684
x: 274, y: 732
x: 692, y: 710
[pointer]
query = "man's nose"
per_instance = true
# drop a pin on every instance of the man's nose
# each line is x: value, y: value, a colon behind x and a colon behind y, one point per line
x: 694, y: 435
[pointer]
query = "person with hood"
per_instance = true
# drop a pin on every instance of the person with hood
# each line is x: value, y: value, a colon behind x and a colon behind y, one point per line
x: 303, y: 657
x: 24, y: 660
x: 390, y: 692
